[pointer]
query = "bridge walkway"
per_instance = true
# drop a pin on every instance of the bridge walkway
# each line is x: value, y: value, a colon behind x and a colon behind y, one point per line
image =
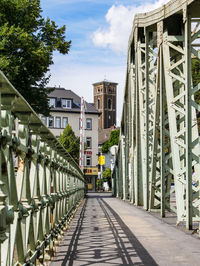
x: 109, y: 231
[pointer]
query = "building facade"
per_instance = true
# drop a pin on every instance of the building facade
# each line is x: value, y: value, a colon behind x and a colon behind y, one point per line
x: 66, y: 109
x: 105, y: 100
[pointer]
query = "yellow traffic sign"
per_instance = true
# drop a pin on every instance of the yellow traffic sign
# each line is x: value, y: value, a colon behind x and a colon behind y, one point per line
x: 101, y: 160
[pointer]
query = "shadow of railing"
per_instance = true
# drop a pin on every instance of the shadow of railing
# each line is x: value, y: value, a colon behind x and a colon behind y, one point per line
x: 99, y: 236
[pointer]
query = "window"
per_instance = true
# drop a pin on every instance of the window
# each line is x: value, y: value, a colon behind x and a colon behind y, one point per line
x: 44, y: 120
x: 109, y: 104
x: 89, y: 123
x: 52, y: 102
x: 99, y: 104
x: 64, y: 122
x: 88, y: 160
x: 83, y: 125
x: 66, y: 103
x: 51, y: 121
x: 89, y: 142
x: 58, y: 122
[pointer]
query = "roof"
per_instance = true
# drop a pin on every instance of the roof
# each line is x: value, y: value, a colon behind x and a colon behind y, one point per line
x: 69, y: 94
x: 104, y: 134
x: 105, y: 81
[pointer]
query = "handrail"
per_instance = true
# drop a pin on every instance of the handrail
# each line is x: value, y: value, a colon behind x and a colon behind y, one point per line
x: 40, y: 183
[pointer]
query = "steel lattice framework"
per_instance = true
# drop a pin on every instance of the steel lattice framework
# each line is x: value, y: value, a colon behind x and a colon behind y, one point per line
x: 159, y: 139
x: 40, y: 184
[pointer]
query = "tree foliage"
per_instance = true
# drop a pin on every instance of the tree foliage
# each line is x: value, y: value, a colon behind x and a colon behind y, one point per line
x: 27, y: 43
x: 196, y: 76
x: 107, y: 176
x: 196, y: 81
x: 99, y: 184
x: 70, y: 142
x: 113, y: 140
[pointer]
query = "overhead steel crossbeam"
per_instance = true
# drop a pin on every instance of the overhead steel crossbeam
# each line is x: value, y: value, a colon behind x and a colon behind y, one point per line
x: 40, y: 183
x: 158, y: 161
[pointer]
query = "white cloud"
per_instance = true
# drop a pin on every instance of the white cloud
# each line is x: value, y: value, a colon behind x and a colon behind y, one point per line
x: 120, y: 20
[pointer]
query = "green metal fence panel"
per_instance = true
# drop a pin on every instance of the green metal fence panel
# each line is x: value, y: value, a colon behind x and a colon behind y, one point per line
x: 40, y: 184
x: 159, y: 146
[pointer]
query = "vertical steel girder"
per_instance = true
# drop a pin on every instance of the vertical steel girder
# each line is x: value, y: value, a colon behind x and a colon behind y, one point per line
x: 163, y: 148
x: 40, y: 184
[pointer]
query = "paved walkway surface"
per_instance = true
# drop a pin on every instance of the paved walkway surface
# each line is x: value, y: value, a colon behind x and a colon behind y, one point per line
x: 108, y: 231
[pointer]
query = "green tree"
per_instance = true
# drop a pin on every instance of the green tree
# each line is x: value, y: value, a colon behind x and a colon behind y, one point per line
x: 113, y: 140
x: 196, y: 77
x: 70, y: 142
x: 196, y: 81
x: 27, y: 43
x: 195, y: 71
x: 107, y: 176
x: 99, y: 184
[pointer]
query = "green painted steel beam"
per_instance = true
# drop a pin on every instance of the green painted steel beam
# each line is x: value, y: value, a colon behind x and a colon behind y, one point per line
x: 40, y: 183
x: 160, y: 126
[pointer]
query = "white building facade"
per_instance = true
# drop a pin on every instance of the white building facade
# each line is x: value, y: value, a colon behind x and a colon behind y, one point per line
x: 66, y: 108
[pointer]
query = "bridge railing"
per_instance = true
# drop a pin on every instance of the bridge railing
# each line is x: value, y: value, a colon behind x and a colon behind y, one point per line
x: 158, y: 162
x: 40, y: 184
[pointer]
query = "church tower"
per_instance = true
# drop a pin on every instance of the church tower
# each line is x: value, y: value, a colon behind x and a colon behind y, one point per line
x: 105, y: 101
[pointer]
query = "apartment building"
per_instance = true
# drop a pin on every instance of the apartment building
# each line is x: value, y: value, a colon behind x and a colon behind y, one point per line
x: 65, y: 109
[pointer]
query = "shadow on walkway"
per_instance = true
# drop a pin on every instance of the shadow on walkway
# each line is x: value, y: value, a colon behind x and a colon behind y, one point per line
x: 97, y: 235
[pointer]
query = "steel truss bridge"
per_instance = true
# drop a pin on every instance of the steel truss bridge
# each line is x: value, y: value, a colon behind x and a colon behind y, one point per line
x: 40, y: 184
x: 159, y: 141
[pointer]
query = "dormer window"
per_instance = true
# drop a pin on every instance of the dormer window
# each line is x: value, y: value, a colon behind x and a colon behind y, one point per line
x: 66, y: 103
x: 52, y: 102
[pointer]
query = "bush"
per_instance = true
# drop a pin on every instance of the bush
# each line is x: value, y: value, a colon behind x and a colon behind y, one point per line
x: 113, y: 140
x: 99, y: 184
x: 107, y: 177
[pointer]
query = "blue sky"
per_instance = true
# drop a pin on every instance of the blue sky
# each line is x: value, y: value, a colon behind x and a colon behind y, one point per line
x: 99, y: 30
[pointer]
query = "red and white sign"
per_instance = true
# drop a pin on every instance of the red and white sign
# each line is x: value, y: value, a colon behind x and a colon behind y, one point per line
x: 88, y: 152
